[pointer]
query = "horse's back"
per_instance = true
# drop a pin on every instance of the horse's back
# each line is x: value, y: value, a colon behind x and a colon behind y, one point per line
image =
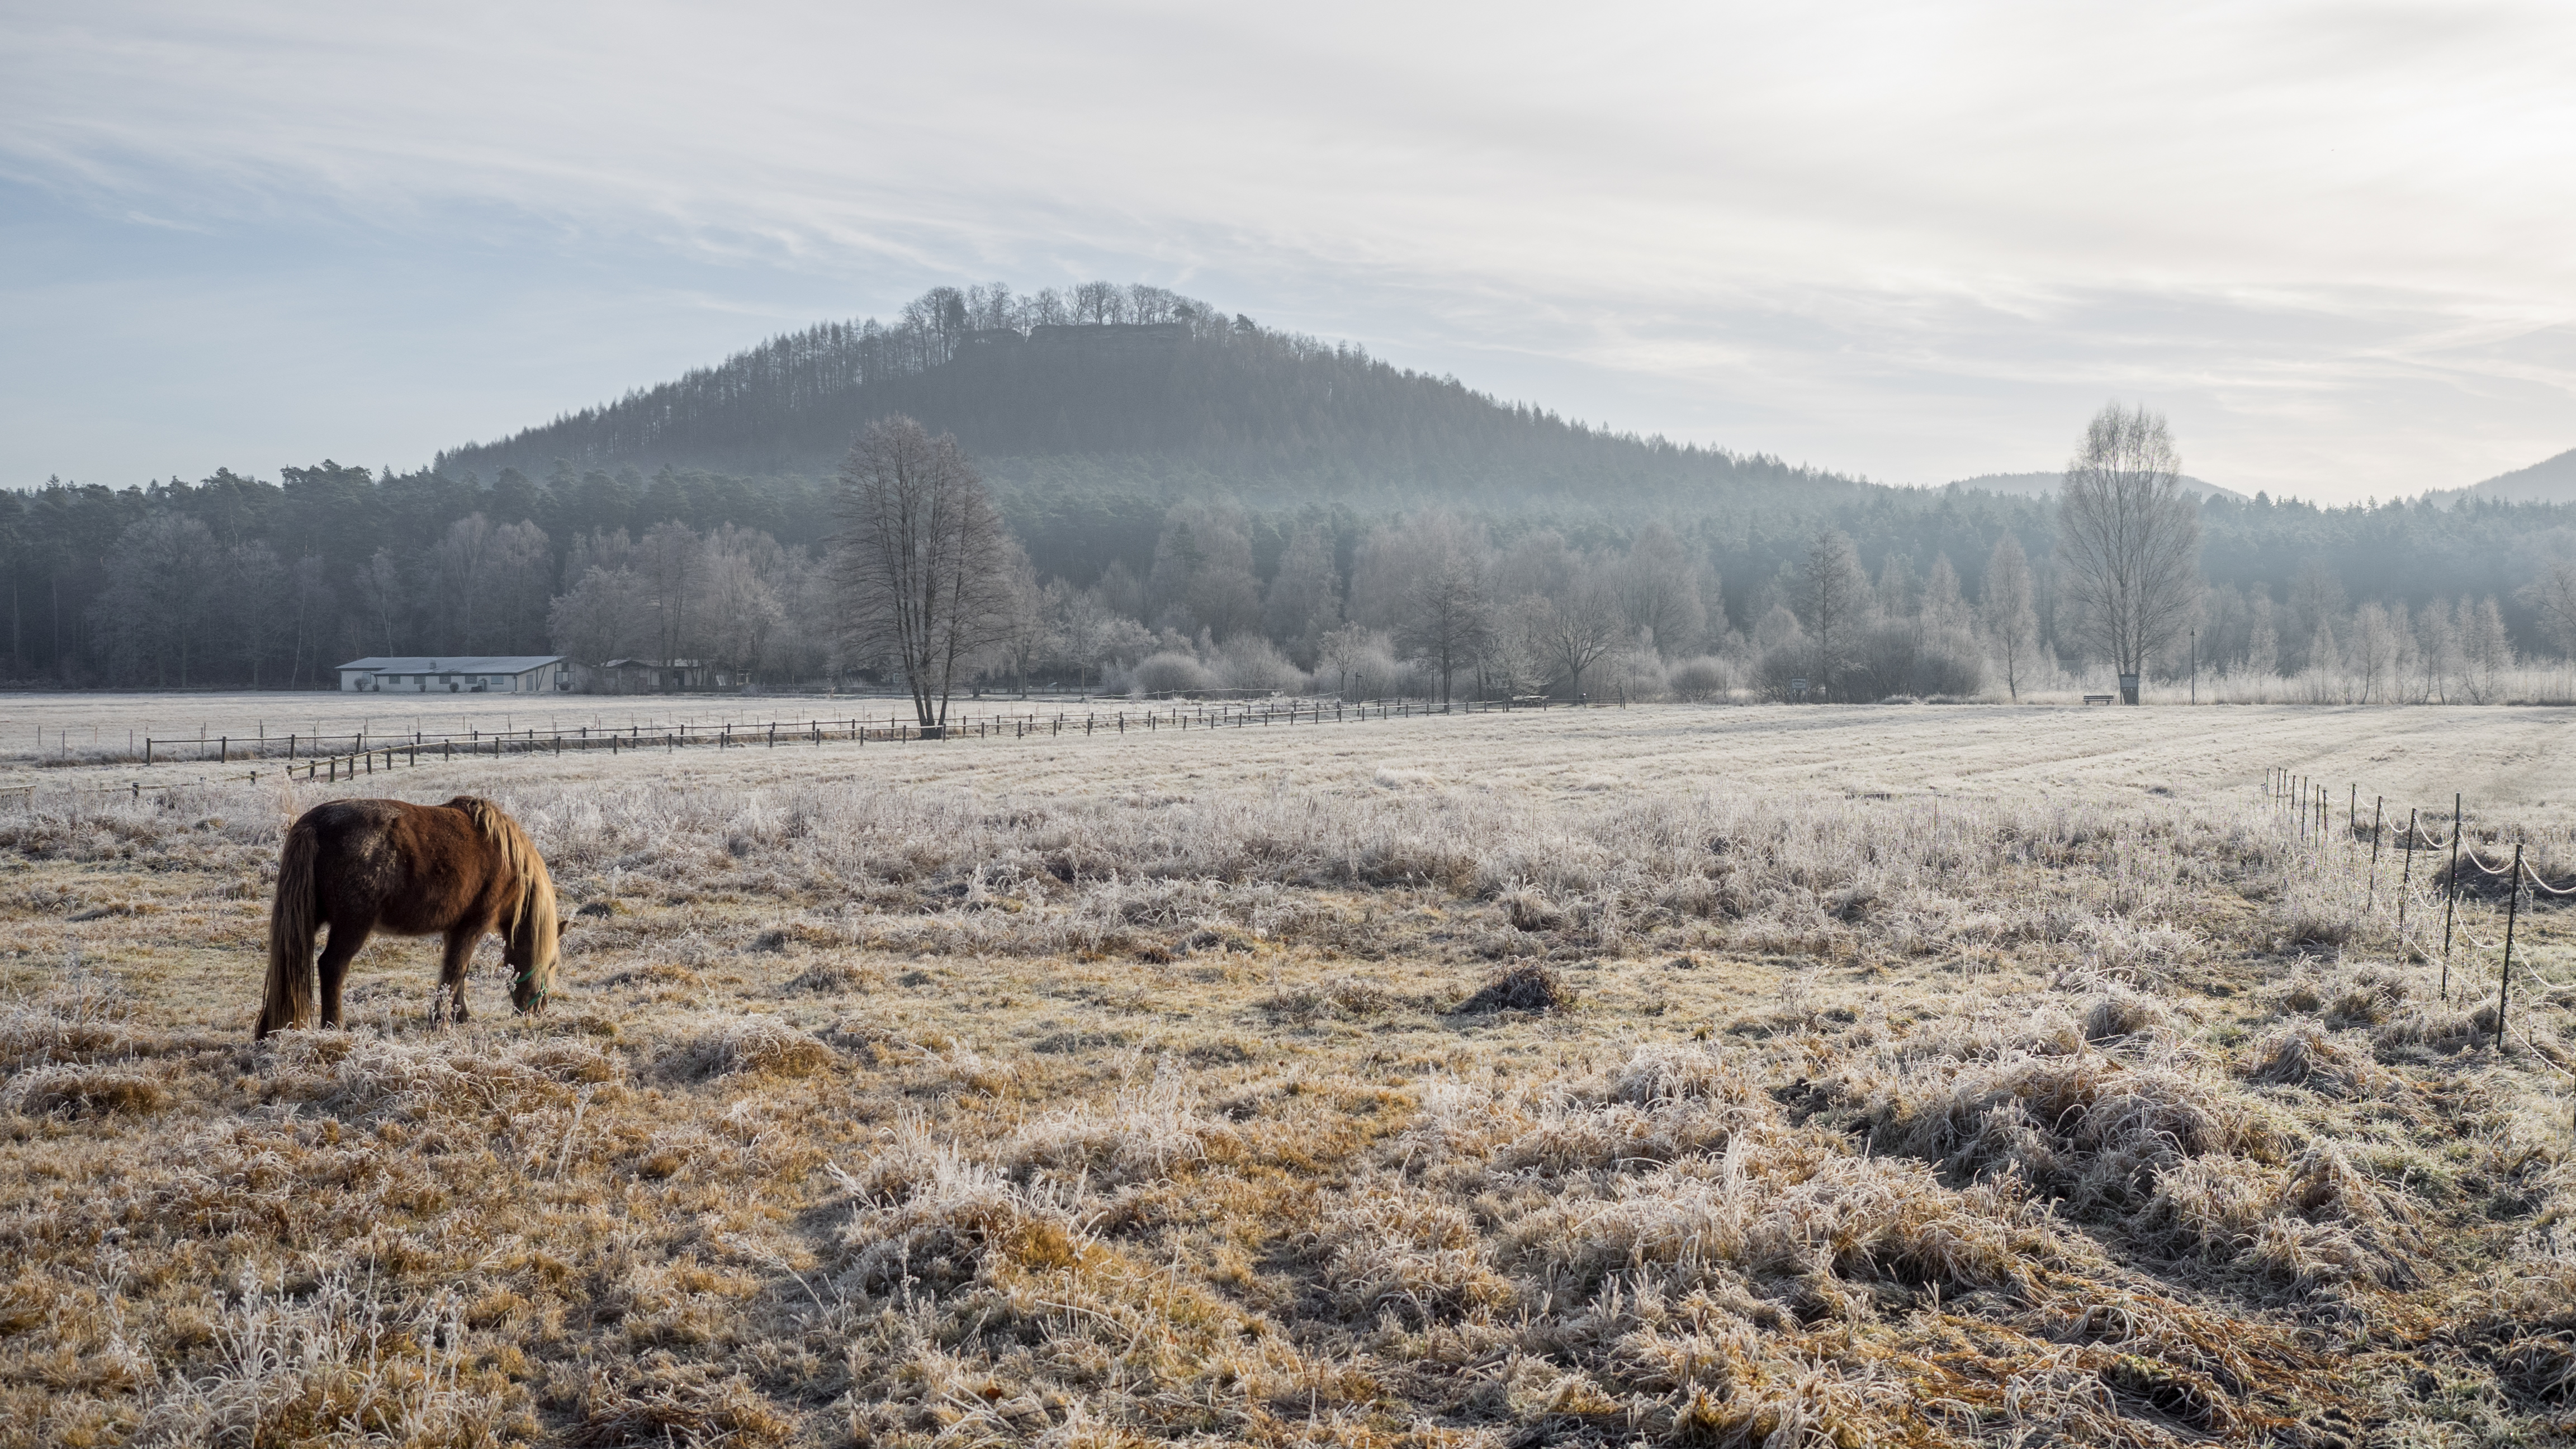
x: 412, y: 869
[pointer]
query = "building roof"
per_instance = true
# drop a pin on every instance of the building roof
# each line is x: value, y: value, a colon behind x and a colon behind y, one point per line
x: 654, y: 664
x: 453, y: 663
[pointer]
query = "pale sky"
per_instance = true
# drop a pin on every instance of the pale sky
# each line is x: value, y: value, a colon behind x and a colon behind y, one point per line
x: 2336, y: 244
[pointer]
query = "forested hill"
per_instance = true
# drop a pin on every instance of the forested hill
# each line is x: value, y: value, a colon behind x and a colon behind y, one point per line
x: 1125, y: 390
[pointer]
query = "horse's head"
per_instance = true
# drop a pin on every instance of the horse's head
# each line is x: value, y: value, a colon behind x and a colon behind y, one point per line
x: 533, y: 946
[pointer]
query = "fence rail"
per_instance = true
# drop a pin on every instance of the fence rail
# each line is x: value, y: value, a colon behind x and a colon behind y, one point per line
x: 311, y: 757
x: 321, y: 748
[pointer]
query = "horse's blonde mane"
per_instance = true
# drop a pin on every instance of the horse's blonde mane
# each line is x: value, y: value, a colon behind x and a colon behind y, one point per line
x: 536, y: 903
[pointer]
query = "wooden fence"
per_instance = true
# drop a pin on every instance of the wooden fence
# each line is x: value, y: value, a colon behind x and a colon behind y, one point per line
x: 332, y: 758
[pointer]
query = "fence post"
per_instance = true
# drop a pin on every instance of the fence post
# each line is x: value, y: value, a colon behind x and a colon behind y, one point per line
x: 2405, y: 880
x: 223, y: 749
x: 2370, y: 894
x: 2512, y: 905
x: 2451, y: 896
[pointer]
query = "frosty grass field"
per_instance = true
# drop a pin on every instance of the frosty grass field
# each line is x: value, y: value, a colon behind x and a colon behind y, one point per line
x: 1752, y: 1076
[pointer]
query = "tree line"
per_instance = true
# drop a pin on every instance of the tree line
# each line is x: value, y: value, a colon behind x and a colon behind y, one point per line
x: 237, y: 582
x: 1438, y: 604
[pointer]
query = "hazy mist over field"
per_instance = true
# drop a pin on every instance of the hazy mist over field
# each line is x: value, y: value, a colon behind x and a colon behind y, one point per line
x: 1906, y: 242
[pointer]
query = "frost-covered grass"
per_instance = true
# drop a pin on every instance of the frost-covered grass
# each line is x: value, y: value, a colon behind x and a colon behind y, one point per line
x: 1607, y: 1091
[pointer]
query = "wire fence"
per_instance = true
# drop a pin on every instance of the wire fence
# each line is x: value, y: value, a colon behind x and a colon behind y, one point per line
x: 2308, y: 807
x: 335, y: 757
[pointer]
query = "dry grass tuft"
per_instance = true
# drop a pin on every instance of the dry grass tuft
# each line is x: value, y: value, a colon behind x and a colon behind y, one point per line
x: 2120, y: 1012
x: 1529, y: 909
x: 335, y: 1364
x: 758, y: 1046
x: 2304, y: 1055
x: 2089, y: 1126
x: 83, y: 1091
x: 1521, y: 988
x: 729, y: 1415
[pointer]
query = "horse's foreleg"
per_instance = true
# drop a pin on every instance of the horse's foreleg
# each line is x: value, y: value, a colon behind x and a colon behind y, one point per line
x: 345, y: 940
x: 451, y: 972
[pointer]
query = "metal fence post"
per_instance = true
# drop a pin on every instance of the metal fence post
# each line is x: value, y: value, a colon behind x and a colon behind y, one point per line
x: 2512, y: 907
x: 2451, y: 897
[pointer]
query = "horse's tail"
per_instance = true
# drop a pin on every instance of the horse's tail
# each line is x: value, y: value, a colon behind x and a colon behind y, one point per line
x: 291, y: 922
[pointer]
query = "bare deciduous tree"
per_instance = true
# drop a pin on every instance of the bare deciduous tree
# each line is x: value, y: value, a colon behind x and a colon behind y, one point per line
x: 1446, y: 620
x: 2552, y: 597
x: 2012, y: 624
x: 1202, y: 576
x: 520, y: 583
x: 1833, y: 603
x: 255, y: 602
x: 381, y: 593
x: 1305, y: 597
x: 1659, y: 588
x: 1945, y: 609
x: 464, y: 558
x: 922, y: 559
x: 1340, y: 651
x: 1027, y: 632
x: 741, y: 610
x: 2436, y: 652
x: 2485, y: 650
x: 2129, y: 536
x: 672, y: 565
x: 1577, y: 628
x: 2263, y: 641
x: 603, y: 617
x: 313, y: 605
x: 1088, y: 629
x: 162, y: 581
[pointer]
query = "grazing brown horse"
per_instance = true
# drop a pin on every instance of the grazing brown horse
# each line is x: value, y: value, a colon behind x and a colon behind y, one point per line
x: 361, y: 866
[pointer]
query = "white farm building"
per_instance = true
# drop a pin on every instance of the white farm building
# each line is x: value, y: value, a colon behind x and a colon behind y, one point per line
x: 457, y: 674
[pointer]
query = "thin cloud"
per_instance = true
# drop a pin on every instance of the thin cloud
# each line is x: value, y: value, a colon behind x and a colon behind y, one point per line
x: 1903, y: 240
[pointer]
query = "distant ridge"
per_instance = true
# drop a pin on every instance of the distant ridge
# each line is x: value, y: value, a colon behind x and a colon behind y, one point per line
x: 2551, y: 480
x: 2036, y: 485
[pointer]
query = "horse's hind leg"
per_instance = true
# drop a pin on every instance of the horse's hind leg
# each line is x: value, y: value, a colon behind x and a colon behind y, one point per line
x: 451, y: 972
x: 346, y: 938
